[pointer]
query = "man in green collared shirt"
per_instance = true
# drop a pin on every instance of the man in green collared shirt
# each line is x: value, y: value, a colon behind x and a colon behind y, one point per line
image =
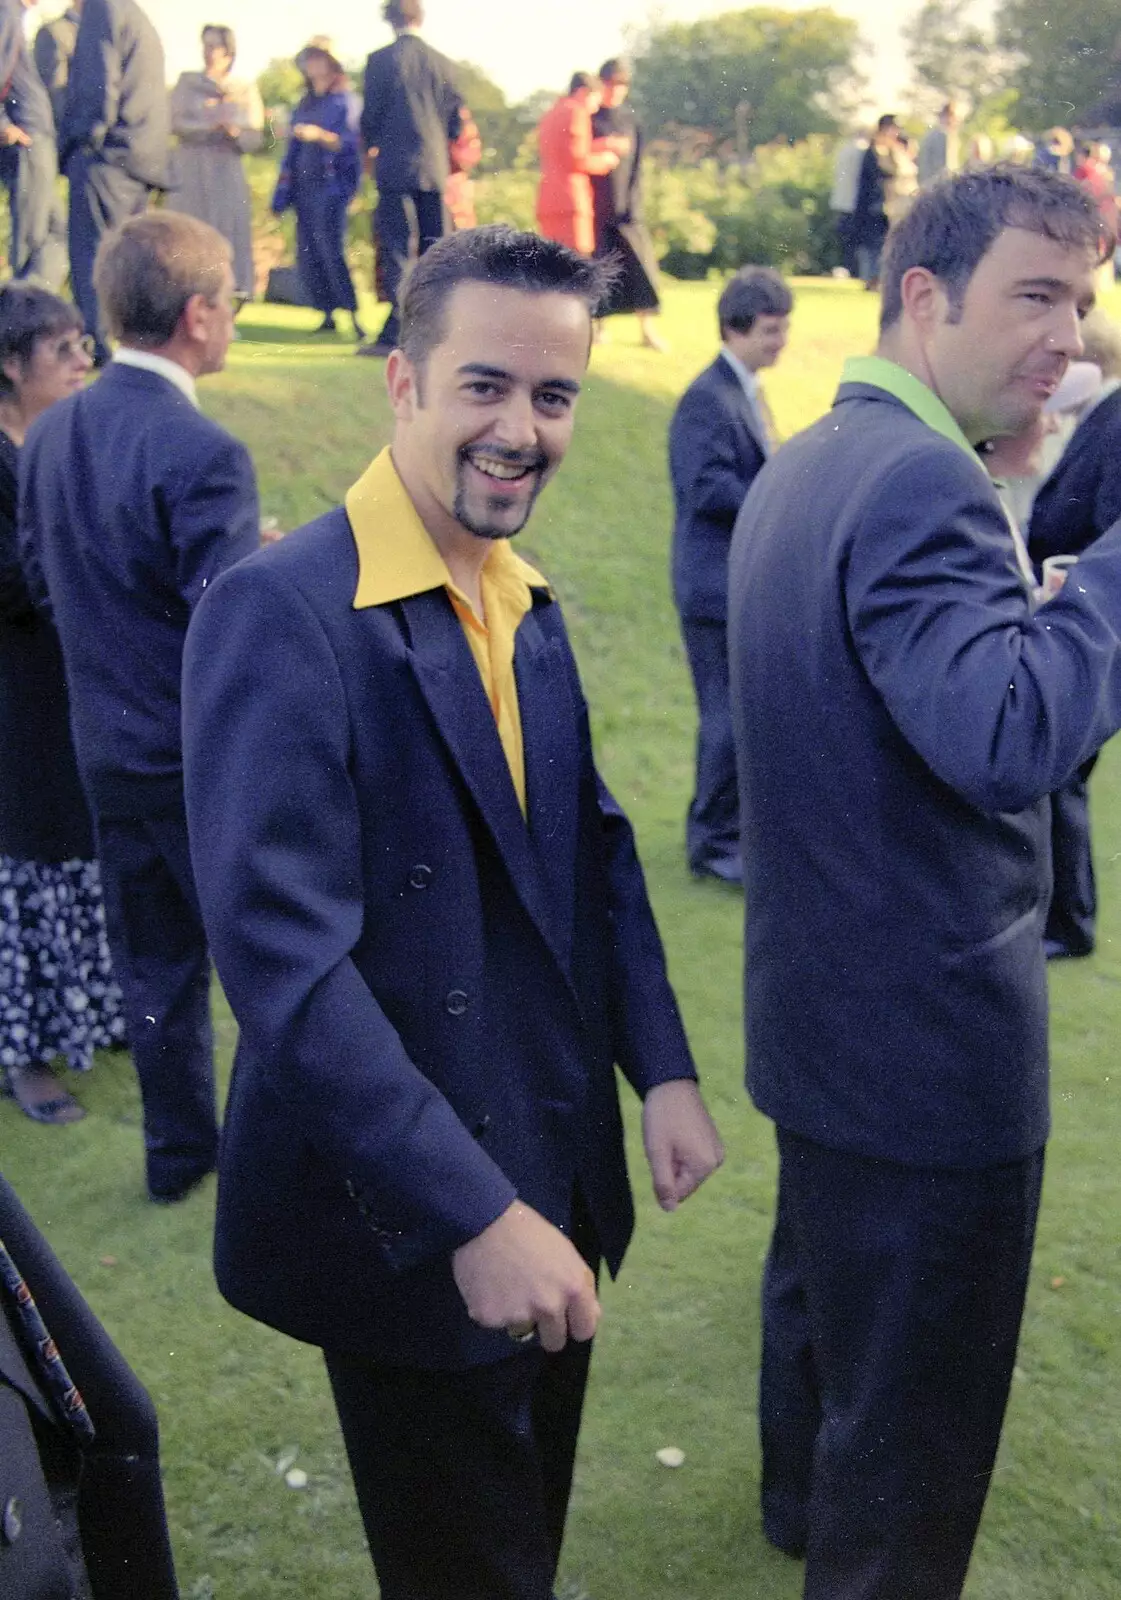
x: 901, y: 714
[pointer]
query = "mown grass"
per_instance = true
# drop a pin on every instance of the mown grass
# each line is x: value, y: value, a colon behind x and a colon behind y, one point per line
x: 677, y: 1359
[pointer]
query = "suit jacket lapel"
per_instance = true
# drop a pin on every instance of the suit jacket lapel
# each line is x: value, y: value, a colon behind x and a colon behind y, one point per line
x: 551, y: 769
x: 752, y: 420
x: 449, y: 680
x: 14, y: 1369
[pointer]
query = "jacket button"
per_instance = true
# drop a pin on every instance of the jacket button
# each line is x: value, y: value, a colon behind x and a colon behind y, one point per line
x: 456, y: 1003
x: 420, y: 877
x: 11, y: 1521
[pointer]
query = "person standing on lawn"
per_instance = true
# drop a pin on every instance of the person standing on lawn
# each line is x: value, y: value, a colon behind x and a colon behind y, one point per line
x: 115, y: 137
x: 131, y: 503
x: 410, y: 113
x: 429, y: 917
x: 620, y: 231
x: 570, y: 156
x: 901, y: 714
x: 29, y: 158
x: 719, y: 438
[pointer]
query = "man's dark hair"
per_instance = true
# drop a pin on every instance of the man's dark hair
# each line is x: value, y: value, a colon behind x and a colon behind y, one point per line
x: 617, y: 70
x: 403, y: 13
x: 953, y: 223
x: 502, y: 258
x: 753, y: 292
x: 888, y: 120
x: 581, y: 80
x: 28, y: 314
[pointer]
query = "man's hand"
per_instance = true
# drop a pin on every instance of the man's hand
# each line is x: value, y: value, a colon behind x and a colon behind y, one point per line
x: 522, y: 1271
x: 13, y: 135
x: 682, y: 1144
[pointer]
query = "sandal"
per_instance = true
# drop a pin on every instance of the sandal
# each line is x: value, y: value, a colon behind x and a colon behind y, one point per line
x: 55, y: 1110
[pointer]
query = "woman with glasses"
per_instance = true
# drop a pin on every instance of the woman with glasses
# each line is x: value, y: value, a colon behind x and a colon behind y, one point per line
x: 57, y: 994
x: 218, y: 121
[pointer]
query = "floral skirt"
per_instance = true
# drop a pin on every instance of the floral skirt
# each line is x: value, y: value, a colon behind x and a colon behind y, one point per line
x: 57, y: 992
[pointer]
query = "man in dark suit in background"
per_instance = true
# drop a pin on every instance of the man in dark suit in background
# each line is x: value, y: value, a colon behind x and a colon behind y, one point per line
x: 901, y: 715
x: 431, y: 923
x: 131, y: 503
x: 29, y: 158
x: 81, y: 1502
x: 1075, y: 505
x: 410, y: 113
x: 114, y: 142
x: 718, y: 440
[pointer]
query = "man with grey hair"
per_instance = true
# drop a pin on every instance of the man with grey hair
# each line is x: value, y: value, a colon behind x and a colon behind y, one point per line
x: 720, y: 436
x: 132, y: 503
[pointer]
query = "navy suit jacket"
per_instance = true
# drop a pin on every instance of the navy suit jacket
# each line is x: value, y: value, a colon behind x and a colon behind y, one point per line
x: 120, y: 1497
x: 117, y: 104
x: 410, y: 110
x: 715, y: 450
x: 900, y: 717
x: 1082, y: 497
x: 131, y: 502
x: 431, y: 993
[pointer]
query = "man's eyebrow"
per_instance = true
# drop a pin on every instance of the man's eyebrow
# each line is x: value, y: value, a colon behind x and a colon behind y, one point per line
x: 479, y: 369
x: 1056, y: 285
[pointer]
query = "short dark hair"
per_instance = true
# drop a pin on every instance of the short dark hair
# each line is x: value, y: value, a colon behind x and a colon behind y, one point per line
x: 888, y: 120
x: 952, y: 224
x: 146, y: 270
x: 753, y: 292
x: 226, y: 37
x: 28, y: 314
x: 502, y: 258
x: 616, y: 70
x: 403, y: 13
x: 581, y: 80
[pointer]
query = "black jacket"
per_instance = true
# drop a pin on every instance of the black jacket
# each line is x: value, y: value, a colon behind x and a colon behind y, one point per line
x: 1082, y: 497
x: 410, y: 109
x: 120, y: 1506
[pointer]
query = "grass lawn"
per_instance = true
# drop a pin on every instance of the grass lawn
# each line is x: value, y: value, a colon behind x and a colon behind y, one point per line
x: 677, y: 1359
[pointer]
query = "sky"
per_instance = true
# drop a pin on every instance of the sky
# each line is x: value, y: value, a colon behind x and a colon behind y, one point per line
x: 521, y: 44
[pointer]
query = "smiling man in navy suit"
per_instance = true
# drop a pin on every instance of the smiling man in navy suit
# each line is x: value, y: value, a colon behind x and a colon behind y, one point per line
x: 431, y: 923
x: 719, y: 438
x: 902, y: 712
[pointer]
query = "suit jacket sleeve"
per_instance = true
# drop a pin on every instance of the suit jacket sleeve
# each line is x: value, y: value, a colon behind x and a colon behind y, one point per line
x: 1002, y: 704
x: 215, y: 517
x: 373, y: 104
x: 120, y: 1499
x: 276, y: 842
x: 11, y: 43
x: 94, y: 90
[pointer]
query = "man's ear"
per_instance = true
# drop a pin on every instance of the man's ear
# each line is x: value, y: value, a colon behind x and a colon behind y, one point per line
x: 192, y: 320
x: 923, y: 297
x: 13, y: 369
x: 401, y: 386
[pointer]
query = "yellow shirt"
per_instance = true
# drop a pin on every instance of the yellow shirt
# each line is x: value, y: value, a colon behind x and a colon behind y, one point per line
x: 397, y: 558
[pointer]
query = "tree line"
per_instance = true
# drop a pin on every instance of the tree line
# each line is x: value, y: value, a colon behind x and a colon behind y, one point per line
x: 724, y: 85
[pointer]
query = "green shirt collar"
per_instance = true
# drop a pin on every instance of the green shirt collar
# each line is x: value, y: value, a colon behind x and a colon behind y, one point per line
x: 914, y: 394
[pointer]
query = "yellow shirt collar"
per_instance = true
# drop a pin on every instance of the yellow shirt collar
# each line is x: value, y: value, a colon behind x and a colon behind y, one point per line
x: 396, y: 555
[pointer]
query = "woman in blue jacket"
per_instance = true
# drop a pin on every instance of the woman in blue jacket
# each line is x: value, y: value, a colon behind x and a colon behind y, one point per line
x: 319, y: 177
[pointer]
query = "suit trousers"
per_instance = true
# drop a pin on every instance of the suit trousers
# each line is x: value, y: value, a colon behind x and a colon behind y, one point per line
x: 101, y: 197
x: 1073, y: 911
x: 463, y: 1477
x: 161, y: 960
x: 712, y: 831
x: 405, y: 226
x: 38, y: 248
x: 892, y: 1300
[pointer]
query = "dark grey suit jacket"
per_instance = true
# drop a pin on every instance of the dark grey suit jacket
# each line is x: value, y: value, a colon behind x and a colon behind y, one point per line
x: 410, y: 109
